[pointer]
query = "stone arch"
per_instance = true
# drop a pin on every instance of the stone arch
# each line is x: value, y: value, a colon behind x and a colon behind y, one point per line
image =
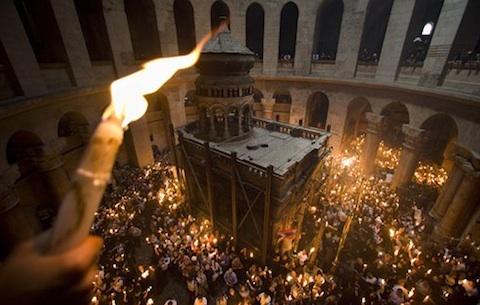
x: 355, y: 121
x: 255, y: 21
x: 257, y: 96
x: 288, y: 31
x: 142, y: 23
x: 158, y: 121
x: 185, y: 25
x: 327, y: 30
x: 396, y: 114
x: 317, y: 110
x: 374, y: 28
x: 21, y: 145
x: 442, y: 132
x: 94, y: 29
x: 219, y: 12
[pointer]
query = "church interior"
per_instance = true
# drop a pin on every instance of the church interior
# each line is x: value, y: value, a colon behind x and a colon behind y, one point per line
x: 253, y: 152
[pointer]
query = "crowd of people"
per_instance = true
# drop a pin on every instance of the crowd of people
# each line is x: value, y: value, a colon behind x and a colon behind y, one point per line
x: 385, y: 257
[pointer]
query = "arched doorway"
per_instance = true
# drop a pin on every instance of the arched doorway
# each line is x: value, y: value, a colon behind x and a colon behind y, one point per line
x: 355, y: 121
x: 257, y: 102
x: 143, y: 27
x: 158, y: 122
x: 396, y: 114
x: 255, y: 29
x: 282, y: 106
x: 219, y: 13
x: 317, y: 110
x: 327, y: 30
x: 185, y: 25
x: 288, y: 32
x: 375, y: 26
x: 442, y: 133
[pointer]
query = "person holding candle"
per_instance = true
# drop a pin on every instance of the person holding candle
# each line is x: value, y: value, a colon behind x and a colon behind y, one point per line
x: 29, y: 277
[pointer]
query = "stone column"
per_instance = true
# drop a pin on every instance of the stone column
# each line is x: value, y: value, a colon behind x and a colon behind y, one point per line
x: 16, y: 224
x: 238, y: 21
x: 271, y: 38
x: 305, y: 33
x: 413, y: 144
x: 463, y: 204
x: 19, y: 51
x: 267, y: 108
x: 372, y: 141
x: 119, y: 36
x: 201, y: 11
x: 54, y: 176
x: 166, y: 27
x: 448, y: 190
x: 138, y: 143
x: 350, y: 38
x: 433, y: 71
x: 73, y: 41
x: 395, y: 37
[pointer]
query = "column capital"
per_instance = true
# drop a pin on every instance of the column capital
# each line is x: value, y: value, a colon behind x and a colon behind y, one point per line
x: 415, y: 138
x: 376, y: 122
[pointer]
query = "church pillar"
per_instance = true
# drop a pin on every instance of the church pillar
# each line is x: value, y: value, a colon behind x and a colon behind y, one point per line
x: 138, y: 143
x: 271, y: 38
x: 19, y: 51
x: 305, y: 33
x: 73, y: 41
x: 350, y: 38
x: 165, y: 26
x: 16, y: 223
x: 433, y: 71
x: 202, y: 18
x: 463, y: 204
x: 55, y: 177
x: 413, y: 144
x: 267, y: 108
x: 448, y: 190
x: 395, y: 38
x: 372, y: 141
x: 119, y: 36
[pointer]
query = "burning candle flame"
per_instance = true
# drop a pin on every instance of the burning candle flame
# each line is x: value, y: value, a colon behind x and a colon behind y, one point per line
x: 128, y: 93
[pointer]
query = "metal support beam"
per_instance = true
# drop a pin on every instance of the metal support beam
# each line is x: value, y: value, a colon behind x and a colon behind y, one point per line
x: 208, y: 171
x: 266, y: 214
x: 233, y: 182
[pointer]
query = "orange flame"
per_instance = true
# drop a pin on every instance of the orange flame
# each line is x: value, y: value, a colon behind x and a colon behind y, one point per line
x: 128, y: 93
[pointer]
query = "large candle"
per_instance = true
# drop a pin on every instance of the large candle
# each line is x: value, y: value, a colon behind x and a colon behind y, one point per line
x: 77, y: 212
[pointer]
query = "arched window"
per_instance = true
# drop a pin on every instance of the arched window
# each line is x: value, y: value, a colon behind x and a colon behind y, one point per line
x: 143, y: 29
x: 317, y: 110
x: 427, y: 29
x: 219, y: 13
x: 466, y: 46
x: 255, y: 28
x: 257, y: 96
x: 355, y: 122
x: 42, y: 30
x: 92, y: 22
x: 185, y: 25
x: 288, y: 31
x: 327, y: 30
x: 416, y: 44
x: 375, y: 26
